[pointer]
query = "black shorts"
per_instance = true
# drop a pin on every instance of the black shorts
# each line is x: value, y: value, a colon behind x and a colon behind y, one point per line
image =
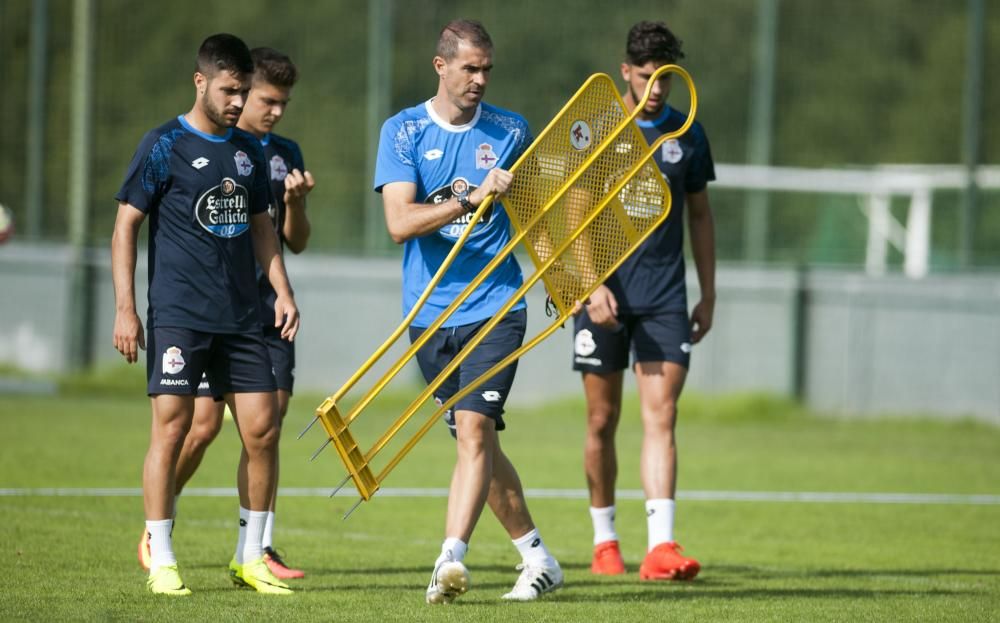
x: 650, y: 337
x: 490, y: 397
x: 282, y: 354
x: 177, y: 358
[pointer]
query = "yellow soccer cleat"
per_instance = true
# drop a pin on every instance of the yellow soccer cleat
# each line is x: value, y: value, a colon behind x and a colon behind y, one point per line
x: 257, y: 576
x: 236, y: 573
x: 166, y: 581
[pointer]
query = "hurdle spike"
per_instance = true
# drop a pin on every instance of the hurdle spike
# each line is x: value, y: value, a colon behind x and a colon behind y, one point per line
x: 356, y: 504
x: 341, y: 485
x: 306, y: 429
x: 320, y: 449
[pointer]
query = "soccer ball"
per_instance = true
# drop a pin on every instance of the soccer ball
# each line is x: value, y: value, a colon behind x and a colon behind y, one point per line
x: 6, y: 223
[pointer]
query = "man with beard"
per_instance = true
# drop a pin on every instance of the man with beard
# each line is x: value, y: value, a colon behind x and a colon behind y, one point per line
x: 203, y: 184
x: 274, y: 76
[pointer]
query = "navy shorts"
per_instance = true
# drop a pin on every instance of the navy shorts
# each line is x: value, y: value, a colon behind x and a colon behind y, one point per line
x: 650, y: 337
x: 177, y: 358
x: 490, y: 397
x: 282, y: 354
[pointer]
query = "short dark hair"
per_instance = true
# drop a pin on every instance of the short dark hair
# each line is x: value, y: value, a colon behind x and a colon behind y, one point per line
x: 224, y: 52
x: 273, y: 67
x: 468, y: 30
x: 652, y: 41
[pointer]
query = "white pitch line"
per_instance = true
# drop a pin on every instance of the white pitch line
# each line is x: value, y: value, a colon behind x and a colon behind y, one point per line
x: 555, y: 494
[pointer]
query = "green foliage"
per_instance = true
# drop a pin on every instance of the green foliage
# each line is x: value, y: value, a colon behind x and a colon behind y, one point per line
x: 857, y: 83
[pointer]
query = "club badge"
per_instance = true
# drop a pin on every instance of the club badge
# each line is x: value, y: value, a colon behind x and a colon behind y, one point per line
x: 671, y: 151
x: 173, y: 362
x: 279, y: 170
x: 243, y: 164
x: 485, y: 158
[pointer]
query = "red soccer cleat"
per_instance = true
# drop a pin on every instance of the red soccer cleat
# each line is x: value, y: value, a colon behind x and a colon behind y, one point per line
x: 278, y: 567
x: 664, y: 562
x: 144, y: 554
x: 607, y: 559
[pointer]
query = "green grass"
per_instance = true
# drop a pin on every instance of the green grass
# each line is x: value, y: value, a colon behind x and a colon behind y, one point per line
x: 72, y: 558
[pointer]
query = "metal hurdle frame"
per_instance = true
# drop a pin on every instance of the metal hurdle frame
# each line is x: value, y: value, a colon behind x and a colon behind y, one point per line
x: 358, y: 462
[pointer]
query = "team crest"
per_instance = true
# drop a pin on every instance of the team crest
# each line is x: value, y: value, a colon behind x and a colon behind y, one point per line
x: 243, y: 164
x: 580, y: 135
x: 671, y: 151
x: 279, y: 170
x: 485, y: 158
x: 173, y: 362
x: 584, y: 344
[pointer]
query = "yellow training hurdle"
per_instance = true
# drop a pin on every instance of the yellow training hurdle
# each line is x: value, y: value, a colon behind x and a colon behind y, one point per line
x: 585, y: 195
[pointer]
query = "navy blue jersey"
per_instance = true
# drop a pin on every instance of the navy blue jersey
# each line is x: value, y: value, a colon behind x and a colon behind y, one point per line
x: 652, y: 279
x: 282, y: 155
x: 199, y: 192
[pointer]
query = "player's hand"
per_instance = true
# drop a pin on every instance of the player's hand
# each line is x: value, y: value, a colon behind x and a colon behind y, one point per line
x: 297, y: 186
x: 286, y: 316
x: 701, y: 319
x: 497, y: 182
x: 128, y: 336
x: 602, y: 307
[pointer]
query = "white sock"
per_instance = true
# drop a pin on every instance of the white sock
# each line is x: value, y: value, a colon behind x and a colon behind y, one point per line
x: 241, y: 541
x: 252, y: 549
x: 268, y: 530
x: 660, y: 521
x: 452, y: 549
x: 533, y: 549
x: 161, y: 548
x: 604, y: 524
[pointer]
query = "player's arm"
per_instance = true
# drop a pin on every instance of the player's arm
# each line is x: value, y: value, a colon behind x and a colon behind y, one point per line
x: 265, y: 247
x: 406, y: 219
x: 701, y: 225
x: 297, y: 229
x: 602, y: 306
x: 128, y: 334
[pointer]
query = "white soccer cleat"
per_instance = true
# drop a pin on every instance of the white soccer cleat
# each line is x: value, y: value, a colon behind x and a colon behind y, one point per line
x: 535, y: 580
x: 449, y: 580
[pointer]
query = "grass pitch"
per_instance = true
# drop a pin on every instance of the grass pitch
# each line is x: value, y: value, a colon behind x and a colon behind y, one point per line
x: 72, y: 557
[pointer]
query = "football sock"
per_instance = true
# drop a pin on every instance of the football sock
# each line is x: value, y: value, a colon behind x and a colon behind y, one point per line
x: 241, y: 541
x: 268, y: 530
x: 252, y: 549
x: 453, y: 549
x: 660, y: 521
x: 161, y: 548
x: 532, y: 548
x: 604, y: 524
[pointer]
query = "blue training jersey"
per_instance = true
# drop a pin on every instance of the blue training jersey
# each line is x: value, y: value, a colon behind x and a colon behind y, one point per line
x: 652, y: 279
x: 282, y: 155
x: 199, y: 192
x: 442, y: 159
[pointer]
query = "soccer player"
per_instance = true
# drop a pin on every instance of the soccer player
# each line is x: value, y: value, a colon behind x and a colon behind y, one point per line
x: 203, y: 183
x: 643, y: 308
x: 437, y: 162
x: 273, y: 78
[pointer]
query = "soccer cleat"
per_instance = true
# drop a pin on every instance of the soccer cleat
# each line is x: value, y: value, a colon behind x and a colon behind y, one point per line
x: 257, y: 576
x: 144, y: 555
x: 166, y: 581
x: 664, y: 562
x: 278, y: 566
x: 236, y: 573
x: 607, y: 559
x: 448, y: 580
x: 535, y: 580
